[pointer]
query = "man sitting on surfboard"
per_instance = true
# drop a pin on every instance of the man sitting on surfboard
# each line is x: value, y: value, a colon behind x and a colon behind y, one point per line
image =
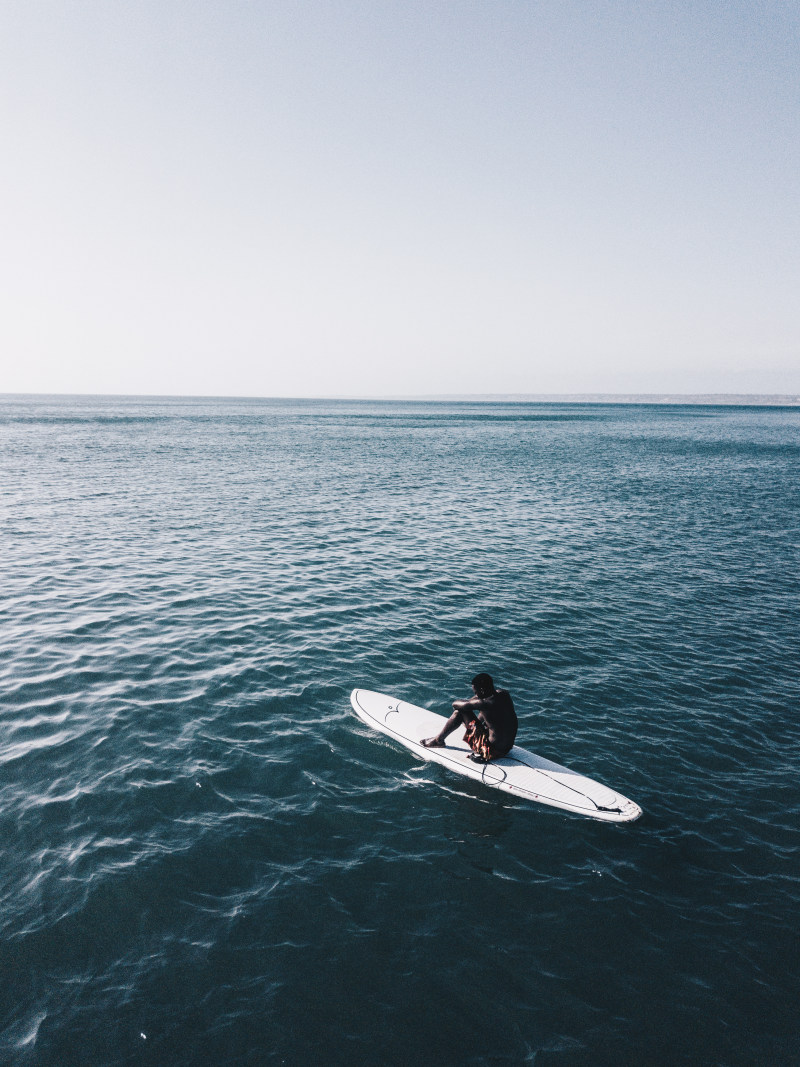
x: 489, y: 718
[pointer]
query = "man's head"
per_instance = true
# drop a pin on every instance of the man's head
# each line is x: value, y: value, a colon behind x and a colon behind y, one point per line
x: 483, y: 685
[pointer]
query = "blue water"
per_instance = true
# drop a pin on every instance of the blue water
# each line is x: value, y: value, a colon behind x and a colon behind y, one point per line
x: 208, y: 859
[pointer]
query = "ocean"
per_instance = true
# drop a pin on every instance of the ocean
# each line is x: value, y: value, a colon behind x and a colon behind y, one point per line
x: 208, y: 859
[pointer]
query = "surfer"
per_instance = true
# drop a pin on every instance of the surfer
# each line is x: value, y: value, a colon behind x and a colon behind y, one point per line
x: 489, y: 719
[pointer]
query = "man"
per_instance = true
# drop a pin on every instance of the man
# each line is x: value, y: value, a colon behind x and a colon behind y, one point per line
x: 489, y: 718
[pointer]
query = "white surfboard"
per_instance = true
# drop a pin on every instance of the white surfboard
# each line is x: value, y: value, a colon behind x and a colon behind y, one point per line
x: 521, y: 773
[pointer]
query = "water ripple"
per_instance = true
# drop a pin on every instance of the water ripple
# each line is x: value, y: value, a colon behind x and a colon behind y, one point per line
x: 209, y: 859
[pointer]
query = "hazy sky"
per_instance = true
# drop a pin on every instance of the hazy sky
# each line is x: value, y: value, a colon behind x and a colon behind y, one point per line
x: 372, y: 197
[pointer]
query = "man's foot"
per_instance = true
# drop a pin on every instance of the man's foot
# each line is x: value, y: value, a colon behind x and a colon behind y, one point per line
x: 474, y: 757
x: 432, y: 742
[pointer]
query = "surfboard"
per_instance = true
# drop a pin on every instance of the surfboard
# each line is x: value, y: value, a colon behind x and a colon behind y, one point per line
x: 521, y: 773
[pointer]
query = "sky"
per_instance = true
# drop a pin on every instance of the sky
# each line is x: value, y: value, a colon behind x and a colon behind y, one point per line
x: 369, y: 197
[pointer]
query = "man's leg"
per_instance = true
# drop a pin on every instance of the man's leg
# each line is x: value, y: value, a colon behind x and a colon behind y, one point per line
x: 458, y: 718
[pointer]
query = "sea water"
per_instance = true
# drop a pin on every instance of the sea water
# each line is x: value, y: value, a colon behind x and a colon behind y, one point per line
x: 208, y: 859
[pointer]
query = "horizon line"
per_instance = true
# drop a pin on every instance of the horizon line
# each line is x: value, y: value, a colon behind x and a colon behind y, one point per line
x: 664, y: 397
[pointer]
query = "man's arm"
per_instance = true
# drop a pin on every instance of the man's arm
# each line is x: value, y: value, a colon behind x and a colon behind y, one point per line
x: 475, y: 705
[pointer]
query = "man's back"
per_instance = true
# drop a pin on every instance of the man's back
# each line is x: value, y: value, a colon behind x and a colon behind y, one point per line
x: 498, y: 710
